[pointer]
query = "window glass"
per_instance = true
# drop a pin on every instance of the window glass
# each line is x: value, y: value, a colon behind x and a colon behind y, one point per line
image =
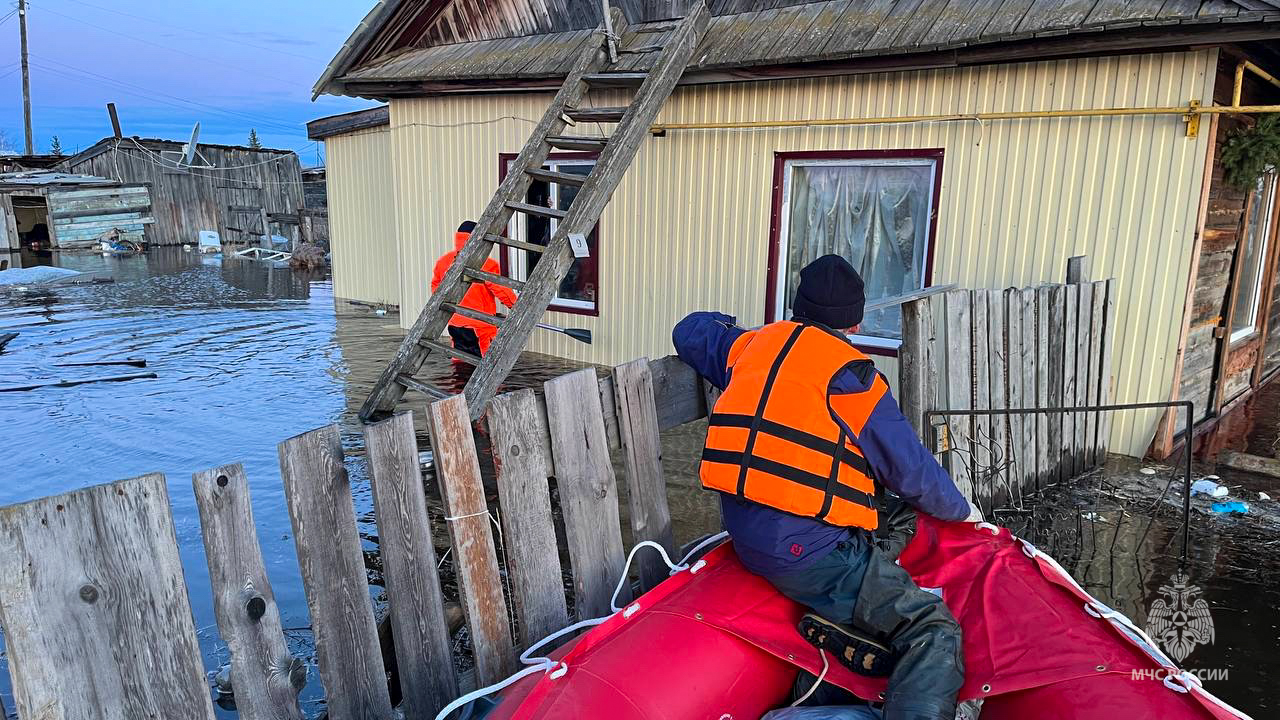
x: 579, y: 288
x: 1257, y: 229
x: 874, y: 213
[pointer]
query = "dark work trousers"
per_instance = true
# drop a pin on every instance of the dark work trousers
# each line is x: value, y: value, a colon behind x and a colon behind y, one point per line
x: 859, y: 584
x: 466, y: 340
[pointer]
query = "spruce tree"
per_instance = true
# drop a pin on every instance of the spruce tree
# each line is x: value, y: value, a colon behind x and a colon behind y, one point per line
x: 254, y: 142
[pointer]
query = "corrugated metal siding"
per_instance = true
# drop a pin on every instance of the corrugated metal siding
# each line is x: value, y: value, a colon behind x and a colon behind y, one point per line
x: 362, y: 217
x: 688, y: 228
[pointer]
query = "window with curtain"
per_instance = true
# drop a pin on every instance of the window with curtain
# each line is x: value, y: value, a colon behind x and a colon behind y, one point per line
x: 579, y: 290
x: 874, y: 212
x: 1253, y: 253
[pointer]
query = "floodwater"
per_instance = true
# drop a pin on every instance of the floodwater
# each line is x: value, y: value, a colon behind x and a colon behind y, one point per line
x: 248, y: 355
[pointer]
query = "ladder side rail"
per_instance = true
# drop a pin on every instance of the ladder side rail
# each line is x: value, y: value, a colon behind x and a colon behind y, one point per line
x: 585, y: 210
x: 432, y: 320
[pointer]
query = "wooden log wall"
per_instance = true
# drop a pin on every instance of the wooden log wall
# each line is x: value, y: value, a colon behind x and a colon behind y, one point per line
x: 76, y: 560
x: 1043, y: 347
x: 185, y: 200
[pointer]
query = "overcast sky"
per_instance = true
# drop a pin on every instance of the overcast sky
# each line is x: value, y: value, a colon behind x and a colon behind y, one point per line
x: 232, y: 65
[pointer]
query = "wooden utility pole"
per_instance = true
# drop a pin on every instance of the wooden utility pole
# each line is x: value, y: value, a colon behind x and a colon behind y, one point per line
x: 26, y: 73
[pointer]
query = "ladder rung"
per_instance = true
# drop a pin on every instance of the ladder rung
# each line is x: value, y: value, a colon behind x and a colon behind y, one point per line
x: 615, y: 79
x: 666, y: 27
x: 602, y: 114
x: 557, y: 177
x: 451, y: 351
x: 467, y: 312
x: 641, y: 50
x: 429, y: 390
x: 536, y: 210
x: 571, y: 142
x: 512, y: 242
x: 481, y: 276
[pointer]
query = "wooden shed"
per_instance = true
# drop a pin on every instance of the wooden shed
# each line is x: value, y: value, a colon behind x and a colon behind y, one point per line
x: 54, y: 210
x: 226, y: 189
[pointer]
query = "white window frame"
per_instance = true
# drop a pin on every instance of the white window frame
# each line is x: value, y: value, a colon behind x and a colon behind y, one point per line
x: 1264, y: 240
x: 517, y: 259
x: 784, y: 230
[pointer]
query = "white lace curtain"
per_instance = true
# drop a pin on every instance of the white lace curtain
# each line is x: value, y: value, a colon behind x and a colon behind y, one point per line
x: 875, y: 216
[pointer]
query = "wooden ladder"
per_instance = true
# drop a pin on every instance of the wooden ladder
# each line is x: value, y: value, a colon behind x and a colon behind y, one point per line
x: 535, y: 294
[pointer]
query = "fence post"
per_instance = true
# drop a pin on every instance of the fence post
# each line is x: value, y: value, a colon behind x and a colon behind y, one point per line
x: 917, y: 331
x: 467, y: 515
x: 588, y: 490
x: 95, y: 611
x: 265, y: 677
x: 332, y: 564
x: 423, y: 649
x: 642, y: 448
x: 959, y: 371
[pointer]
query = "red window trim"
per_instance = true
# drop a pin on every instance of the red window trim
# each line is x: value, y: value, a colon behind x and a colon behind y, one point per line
x: 775, y: 218
x: 504, y: 159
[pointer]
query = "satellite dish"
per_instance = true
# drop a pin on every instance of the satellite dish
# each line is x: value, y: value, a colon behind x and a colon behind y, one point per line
x: 189, y: 150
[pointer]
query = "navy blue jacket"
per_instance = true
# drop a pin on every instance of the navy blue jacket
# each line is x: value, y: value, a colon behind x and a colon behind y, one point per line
x: 769, y: 541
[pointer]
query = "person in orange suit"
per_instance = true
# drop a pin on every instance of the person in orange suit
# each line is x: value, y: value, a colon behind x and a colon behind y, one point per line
x: 470, y: 335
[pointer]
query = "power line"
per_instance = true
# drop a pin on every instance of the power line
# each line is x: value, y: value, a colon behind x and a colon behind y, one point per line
x: 255, y: 71
x: 193, y: 32
x: 280, y: 125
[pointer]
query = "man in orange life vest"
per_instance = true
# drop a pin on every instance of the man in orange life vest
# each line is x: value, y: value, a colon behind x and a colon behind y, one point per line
x: 800, y: 443
x: 470, y: 335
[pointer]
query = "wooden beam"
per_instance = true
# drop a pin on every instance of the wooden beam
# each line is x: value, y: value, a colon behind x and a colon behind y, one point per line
x: 330, y: 556
x: 423, y: 646
x: 474, y: 558
x: 96, y: 618
x: 265, y: 676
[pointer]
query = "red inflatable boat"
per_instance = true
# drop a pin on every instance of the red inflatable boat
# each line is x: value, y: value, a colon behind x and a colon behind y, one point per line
x: 716, y: 642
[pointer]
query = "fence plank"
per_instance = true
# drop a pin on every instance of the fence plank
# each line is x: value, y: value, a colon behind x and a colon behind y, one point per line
x: 467, y: 515
x: 1071, y: 329
x: 982, y: 358
x: 1086, y: 376
x: 642, y: 450
x: 1107, y: 338
x: 424, y: 651
x: 1013, y: 386
x: 913, y: 361
x: 959, y: 375
x: 265, y: 676
x: 522, y: 463
x: 332, y: 563
x: 95, y: 612
x: 1030, y: 423
x: 998, y: 374
x: 1051, y: 371
x: 588, y: 490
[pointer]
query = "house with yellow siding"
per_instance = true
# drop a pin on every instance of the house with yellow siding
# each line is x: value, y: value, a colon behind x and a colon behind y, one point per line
x: 931, y: 142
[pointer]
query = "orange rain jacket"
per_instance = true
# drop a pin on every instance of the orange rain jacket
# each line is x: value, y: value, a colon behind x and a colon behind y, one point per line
x: 480, y: 296
x: 773, y: 437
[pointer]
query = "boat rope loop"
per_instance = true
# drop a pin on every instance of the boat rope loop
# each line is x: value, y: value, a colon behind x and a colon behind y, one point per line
x: 556, y: 669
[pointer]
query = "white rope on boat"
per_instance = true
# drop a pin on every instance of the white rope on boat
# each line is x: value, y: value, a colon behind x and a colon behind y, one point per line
x: 821, y: 676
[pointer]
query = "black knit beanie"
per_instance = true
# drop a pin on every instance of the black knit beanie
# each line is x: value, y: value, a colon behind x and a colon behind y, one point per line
x: 830, y: 292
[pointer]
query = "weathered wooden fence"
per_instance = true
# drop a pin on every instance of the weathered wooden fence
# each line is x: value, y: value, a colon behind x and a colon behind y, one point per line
x: 1044, y: 347
x: 96, y: 613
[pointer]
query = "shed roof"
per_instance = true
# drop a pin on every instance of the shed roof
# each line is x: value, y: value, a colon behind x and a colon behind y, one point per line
x: 44, y: 178
x: 155, y: 145
x: 325, y: 127
x: 449, y: 41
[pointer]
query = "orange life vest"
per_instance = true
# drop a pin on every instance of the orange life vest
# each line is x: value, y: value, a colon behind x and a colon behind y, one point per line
x: 773, y: 437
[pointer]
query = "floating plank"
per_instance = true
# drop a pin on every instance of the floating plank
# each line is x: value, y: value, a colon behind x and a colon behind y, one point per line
x: 333, y: 576
x: 642, y: 451
x: 588, y: 490
x: 96, y: 618
x: 424, y: 649
x: 77, y: 381
x: 467, y: 515
x: 265, y: 676
x: 959, y: 393
x: 6, y: 338
x: 522, y: 463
